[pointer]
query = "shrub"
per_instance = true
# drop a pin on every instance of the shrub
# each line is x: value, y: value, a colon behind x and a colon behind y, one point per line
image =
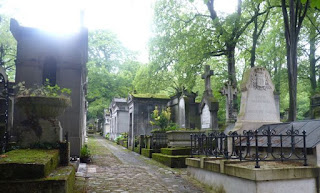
x: 85, y: 152
x: 108, y: 136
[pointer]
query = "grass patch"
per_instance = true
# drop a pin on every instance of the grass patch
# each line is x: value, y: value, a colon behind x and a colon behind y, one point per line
x: 99, y: 152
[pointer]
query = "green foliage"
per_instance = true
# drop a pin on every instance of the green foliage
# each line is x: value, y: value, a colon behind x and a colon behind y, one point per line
x: 8, y: 47
x: 45, y: 90
x: 111, y: 71
x: 85, y: 152
x: 162, y: 119
x: 108, y: 136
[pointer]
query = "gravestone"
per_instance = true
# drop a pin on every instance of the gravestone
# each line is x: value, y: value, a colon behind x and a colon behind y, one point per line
x: 231, y: 106
x: 209, y: 106
x: 184, y: 110
x: 258, y: 105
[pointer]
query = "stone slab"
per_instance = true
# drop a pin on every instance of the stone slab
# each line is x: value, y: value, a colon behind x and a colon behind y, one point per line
x: 170, y: 160
x: 60, y: 180
x: 176, y: 151
x: 225, y: 183
x: 28, y: 163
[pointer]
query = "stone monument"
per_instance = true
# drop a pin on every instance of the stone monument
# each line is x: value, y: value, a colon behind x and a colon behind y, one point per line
x: 258, y: 106
x: 209, y: 106
x: 230, y: 92
x: 61, y: 59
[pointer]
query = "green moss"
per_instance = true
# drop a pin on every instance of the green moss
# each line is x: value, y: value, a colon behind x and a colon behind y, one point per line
x: 24, y: 156
x: 28, y: 163
x: 176, y: 151
x: 245, y: 79
x: 64, y: 174
x: 137, y: 149
x: 171, y: 161
x: 147, y: 95
x: 60, y: 180
x: 147, y: 152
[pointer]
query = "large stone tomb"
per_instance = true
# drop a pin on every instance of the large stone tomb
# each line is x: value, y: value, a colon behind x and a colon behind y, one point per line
x: 258, y: 106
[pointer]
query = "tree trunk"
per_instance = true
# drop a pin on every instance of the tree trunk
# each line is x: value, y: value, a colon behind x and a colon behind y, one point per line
x: 254, y: 43
x: 292, y: 25
x: 231, y: 65
x: 312, y: 59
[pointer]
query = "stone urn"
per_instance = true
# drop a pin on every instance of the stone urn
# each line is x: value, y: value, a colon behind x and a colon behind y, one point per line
x: 41, y: 128
x: 181, y: 138
x: 43, y: 107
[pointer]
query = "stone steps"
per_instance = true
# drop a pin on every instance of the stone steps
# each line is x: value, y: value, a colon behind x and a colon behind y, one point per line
x: 173, y: 157
x: 173, y: 161
x: 28, y: 164
x: 60, y: 180
x: 36, y: 171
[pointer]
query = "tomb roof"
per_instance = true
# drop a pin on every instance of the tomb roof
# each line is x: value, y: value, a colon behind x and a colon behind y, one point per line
x: 147, y: 95
x: 312, y: 128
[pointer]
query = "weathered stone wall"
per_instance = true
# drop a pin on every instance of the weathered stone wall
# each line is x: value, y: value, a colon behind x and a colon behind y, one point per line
x: 69, y: 53
x: 226, y: 183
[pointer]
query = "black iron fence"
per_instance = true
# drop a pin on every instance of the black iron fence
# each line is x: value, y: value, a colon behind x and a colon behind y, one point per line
x: 159, y: 140
x: 4, y: 114
x: 265, y: 145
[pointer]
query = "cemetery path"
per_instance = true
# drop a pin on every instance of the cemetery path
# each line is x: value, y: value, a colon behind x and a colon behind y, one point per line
x: 116, y: 169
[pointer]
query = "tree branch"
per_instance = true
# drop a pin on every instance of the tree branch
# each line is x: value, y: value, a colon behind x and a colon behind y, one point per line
x: 210, y: 5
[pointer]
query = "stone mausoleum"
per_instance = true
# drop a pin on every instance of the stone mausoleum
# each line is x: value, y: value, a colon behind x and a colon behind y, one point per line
x: 119, y: 117
x: 61, y: 59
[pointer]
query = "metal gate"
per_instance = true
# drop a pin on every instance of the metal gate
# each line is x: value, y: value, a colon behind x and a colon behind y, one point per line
x: 4, y: 110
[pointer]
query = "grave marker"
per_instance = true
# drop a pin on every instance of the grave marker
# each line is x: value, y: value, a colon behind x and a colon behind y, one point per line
x: 209, y: 106
x: 231, y: 97
x: 258, y: 105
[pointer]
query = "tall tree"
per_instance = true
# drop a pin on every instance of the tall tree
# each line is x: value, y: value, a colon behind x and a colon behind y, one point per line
x: 7, y: 47
x: 294, y: 13
x: 111, y: 71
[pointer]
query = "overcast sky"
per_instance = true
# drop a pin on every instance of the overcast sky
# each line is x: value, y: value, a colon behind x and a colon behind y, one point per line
x: 129, y: 19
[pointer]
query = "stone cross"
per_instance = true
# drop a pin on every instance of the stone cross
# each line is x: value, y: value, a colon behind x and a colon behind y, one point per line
x: 207, y: 75
x: 231, y: 94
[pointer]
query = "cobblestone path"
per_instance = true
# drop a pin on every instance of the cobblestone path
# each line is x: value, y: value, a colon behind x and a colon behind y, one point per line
x: 116, y: 169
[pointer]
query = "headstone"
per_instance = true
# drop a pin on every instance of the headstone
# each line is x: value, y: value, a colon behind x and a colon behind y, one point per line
x: 258, y: 106
x: 209, y: 106
x: 231, y: 106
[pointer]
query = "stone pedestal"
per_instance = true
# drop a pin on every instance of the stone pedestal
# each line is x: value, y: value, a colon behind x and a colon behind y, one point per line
x: 39, y: 133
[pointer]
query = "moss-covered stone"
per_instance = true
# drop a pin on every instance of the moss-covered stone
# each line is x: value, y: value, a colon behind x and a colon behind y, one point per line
x: 137, y: 149
x: 176, y: 151
x: 147, y: 152
x: 147, y: 95
x: 170, y: 160
x: 60, y: 180
x: 28, y: 163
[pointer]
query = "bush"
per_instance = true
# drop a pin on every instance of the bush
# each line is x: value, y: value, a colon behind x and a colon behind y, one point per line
x: 108, y: 136
x: 161, y: 119
x: 85, y: 152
